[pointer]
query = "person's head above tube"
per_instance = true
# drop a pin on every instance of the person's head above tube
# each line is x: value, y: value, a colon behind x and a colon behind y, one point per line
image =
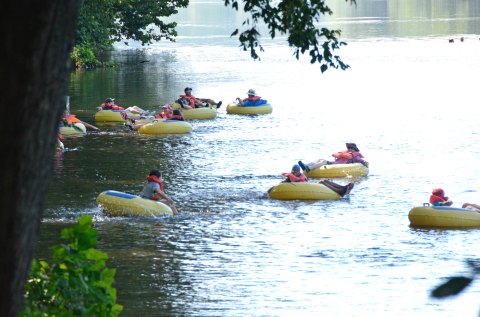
x: 296, y: 169
x: 352, y: 147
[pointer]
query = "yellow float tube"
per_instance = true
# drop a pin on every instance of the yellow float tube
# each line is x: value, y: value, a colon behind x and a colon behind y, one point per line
x: 205, y: 113
x: 166, y: 127
x: 114, y: 203
x: 338, y: 170
x: 263, y: 109
x: 291, y: 191
x: 76, y: 128
x: 114, y: 115
x: 443, y: 217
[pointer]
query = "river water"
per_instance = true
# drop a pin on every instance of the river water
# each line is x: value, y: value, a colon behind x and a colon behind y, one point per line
x: 409, y: 101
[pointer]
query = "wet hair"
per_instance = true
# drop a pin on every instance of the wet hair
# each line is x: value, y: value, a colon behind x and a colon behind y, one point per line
x: 155, y: 173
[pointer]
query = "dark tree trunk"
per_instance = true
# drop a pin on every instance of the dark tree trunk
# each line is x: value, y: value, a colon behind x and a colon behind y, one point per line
x: 36, y: 37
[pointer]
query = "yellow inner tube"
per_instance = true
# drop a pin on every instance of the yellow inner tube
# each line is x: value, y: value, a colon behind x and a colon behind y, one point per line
x: 115, y: 203
x: 205, y: 113
x: 338, y: 170
x: 166, y: 127
x: 443, y: 217
x: 307, y: 191
x: 114, y: 115
x: 235, y: 109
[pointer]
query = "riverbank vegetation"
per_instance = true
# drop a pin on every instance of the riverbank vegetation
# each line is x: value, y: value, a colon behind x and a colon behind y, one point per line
x: 104, y: 22
x: 77, y: 282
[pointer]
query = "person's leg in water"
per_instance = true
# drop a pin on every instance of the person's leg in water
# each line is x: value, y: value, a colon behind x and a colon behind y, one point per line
x: 342, y: 190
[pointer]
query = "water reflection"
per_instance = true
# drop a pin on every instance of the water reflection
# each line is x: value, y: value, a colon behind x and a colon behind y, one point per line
x: 407, y: 102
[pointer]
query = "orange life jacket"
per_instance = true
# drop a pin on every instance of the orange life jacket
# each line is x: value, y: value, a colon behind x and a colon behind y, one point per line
x: 72, y: 119
x: 296, y: 179
x: 346, y: 156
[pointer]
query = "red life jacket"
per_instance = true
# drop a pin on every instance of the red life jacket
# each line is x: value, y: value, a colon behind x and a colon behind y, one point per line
x: 177, y: 117
x: 254, y: 98
x: 435, y: 198
x: 166, y: 114
x: 296, y: 179
x: 106, y: 106
x: 191, y: 99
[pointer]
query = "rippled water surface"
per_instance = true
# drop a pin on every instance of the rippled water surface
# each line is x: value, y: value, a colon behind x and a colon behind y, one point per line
x: 410, y: 102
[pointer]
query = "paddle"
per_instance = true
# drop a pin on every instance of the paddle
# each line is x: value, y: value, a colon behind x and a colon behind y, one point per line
x: 89, y: 125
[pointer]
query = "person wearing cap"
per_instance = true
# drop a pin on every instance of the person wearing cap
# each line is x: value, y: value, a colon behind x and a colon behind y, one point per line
x: 296, y: 176
x: 188, y: 100
x: 252, y: 100
x: 438, y: 198
x: 167, y: 112
x: 109, y: 104
x: 349, y: 156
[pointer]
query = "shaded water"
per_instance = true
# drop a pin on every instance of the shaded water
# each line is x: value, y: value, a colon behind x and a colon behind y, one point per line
x: 410, y: 102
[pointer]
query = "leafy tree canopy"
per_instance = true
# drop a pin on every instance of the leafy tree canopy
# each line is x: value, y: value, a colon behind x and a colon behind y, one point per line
x: 297, y: 19
x: 103, y: 22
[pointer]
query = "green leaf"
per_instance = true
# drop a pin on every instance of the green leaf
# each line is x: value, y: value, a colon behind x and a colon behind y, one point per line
x: 452, y: 287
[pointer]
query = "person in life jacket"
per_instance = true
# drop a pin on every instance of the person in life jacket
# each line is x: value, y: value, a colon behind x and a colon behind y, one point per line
x: 438, y: 198
x: 188, y: 100
x: 177, y: 115
x: 109, y: 104
x: 166, y: 114
x: 295, y: 175
x: 349, y: 156
x: 154, y: 190
x: 252, y: 100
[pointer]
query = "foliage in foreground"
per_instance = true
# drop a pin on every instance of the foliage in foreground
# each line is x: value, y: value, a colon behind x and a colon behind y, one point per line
x: 104, y: 22
x: 77, y: 283
x: 454, y: 285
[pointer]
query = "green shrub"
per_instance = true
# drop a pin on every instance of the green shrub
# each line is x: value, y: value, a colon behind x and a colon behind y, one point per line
x: 78, y: 283
x: 83, y: 56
